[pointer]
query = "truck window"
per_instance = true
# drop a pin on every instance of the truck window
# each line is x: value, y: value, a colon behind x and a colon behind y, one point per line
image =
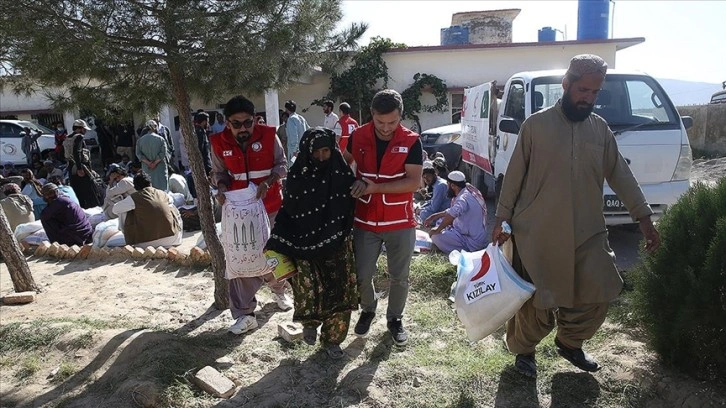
x: 645, y: 102
x: 515, y: 102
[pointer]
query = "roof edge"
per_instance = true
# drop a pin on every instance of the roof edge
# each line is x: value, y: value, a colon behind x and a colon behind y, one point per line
x: 621, y: 44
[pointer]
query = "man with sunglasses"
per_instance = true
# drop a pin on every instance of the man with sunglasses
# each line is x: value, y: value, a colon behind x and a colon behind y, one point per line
x: 246, y: 152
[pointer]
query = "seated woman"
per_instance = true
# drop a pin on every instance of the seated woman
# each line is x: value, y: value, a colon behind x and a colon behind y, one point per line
x: 151, y: 218
x: 314, y: 228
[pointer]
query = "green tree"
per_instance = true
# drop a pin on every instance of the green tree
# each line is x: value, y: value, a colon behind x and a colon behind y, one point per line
x: 359, y: 82
x: 141, y: 54
x: 411, y: 96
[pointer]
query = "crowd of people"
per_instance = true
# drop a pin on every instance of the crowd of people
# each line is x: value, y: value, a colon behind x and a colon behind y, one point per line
x: 334, y: 198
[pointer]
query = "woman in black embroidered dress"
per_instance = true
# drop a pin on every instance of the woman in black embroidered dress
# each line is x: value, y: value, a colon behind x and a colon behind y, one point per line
x: 314, y: 228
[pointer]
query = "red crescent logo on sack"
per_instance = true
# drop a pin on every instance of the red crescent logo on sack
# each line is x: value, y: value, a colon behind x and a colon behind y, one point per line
x: 485, y: 263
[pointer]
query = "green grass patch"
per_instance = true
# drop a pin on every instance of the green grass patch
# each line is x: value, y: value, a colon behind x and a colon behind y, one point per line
x: 29, y: 336
x: 65, y: 371
x: 28, y: 367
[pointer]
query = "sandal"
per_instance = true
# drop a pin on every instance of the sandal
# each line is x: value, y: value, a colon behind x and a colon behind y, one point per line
x: 310, y: 335
x: 526, y: 365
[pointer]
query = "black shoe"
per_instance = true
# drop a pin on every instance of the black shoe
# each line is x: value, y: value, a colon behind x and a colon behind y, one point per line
x: 364, y: 323
x: 526, y: 365
x: 577, y: 357
x: 398, y: 333
x: 310, y: 335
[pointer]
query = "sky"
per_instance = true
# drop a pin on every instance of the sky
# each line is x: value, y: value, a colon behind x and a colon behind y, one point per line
x: 684, y: 40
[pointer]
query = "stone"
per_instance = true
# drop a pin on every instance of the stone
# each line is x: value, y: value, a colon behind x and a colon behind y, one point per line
x: 149, y: 252
x: 85, y: 251
x: 196, y: 255
x: 62, y: 252
x: 53, y: 250
x: 19, y: 298
x: 290, y: 332
x: 160, y: 253
x: 73, y: 252
x: 138, y: 253
x: 417, y: 382
x: 96, y: 253
x: 224, y: 363
x: 214, y: 383
x: 42, y: 249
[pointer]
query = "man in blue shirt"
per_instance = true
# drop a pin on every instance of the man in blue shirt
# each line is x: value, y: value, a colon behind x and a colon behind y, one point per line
x: 295, y: 127
x: 439, y: 201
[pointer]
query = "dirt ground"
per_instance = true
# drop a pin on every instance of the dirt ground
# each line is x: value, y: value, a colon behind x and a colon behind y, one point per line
x: 157, y: 299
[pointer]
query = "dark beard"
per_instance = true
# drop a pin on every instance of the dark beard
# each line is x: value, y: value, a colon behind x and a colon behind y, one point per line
x: 572, y: 111
x: 451, y: 193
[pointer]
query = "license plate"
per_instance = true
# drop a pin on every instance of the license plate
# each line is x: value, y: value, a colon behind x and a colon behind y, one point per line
x: 613, y: 203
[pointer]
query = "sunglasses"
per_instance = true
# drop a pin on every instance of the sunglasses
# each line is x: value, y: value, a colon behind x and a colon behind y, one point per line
x: 238, y: 125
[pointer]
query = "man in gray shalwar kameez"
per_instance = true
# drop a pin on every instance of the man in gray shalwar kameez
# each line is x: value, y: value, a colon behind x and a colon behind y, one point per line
x: 552, y: 196
x: 151, y: 151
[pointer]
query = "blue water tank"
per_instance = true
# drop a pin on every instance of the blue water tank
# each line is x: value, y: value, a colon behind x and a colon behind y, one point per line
x: 546, y: 34
x: 455, y: 35
x: 593, y: 19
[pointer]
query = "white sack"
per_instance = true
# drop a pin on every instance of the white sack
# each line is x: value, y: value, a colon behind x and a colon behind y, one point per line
x: 117, y: 240
x: 245, y: 230
x: 24, y: 230
x: 37, y: 237
x: 488, y: 291
x: 104, y: 231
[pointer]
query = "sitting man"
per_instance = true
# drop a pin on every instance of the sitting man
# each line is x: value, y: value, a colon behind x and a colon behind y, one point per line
x: 119, y: 187
x: 63, y: 220
x: 439, y: 201
x: 463, y: 226
x: 151, y: 219
x: 18, y: 207
x: 64, y: 189
x: 49, y: 170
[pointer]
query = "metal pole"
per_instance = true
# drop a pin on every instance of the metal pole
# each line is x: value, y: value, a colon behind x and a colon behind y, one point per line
x: 612, y: 20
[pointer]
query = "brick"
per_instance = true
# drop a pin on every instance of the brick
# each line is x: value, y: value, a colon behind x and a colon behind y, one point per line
x: 196, y: 255
x: 62, y: 251
x: 160, y: 253
x: 172, y: 254
x: 73, y: 252
x: 224, y: 363
x: 290, y: 332
x: 85, y: 251
x: 122, y: 253
x: 149, y: 252
x: 42, y: 249
x: 206, y: 258
x: 214, y: 383
x: 19, y: 298
x: 138, y: 253
x: 53, y: 250
x: 24, y: 246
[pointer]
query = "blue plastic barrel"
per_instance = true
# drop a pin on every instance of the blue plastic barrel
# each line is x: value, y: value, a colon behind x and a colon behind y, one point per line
x: 593, y: 19
x: 546, y: 34
x: 455, y: 35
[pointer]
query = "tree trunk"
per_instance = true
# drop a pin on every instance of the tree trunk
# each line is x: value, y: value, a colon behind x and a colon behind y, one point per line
x: 204, y: 199
x: 14, y: 258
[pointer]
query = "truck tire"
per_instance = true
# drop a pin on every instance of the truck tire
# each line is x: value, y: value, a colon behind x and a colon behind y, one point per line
x: 483, y: 181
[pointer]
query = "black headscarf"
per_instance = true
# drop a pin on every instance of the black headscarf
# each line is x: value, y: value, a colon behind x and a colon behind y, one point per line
x: 317, y: 208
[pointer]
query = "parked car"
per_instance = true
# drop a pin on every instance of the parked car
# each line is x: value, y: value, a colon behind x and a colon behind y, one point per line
x: 720, y: 96
x: 11, y: 139
x: 444, y: 139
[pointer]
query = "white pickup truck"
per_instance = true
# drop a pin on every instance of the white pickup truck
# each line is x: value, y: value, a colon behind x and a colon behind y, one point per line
x: 649, y: 131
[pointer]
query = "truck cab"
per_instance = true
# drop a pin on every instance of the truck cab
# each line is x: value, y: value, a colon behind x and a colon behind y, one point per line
x: 650, y: 134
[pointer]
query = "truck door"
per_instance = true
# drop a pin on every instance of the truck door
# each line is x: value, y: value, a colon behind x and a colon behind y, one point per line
x: 475, y: 117
x: 514, y: 108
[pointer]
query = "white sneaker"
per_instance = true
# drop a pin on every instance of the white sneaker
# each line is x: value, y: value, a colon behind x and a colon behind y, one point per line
x: 243, y: 325
x: 283, y: 301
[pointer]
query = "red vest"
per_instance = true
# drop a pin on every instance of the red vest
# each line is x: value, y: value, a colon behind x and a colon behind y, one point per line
x: 347, y: 126
x: 383, y: 212
x: 253, y: 164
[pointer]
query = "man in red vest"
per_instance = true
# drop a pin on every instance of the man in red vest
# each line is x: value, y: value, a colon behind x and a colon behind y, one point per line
x: 389, y: 162
x: 345, y: 126
x: 246, y: 152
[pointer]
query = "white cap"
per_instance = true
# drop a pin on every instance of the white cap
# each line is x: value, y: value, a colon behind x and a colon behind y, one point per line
x: 81, y: 123
x: 456, y: 176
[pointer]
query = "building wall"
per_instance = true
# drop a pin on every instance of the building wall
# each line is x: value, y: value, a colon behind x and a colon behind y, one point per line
x: 708, y: 133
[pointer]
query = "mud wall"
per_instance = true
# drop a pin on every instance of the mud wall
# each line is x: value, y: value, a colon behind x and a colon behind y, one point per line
x: 708, y: 133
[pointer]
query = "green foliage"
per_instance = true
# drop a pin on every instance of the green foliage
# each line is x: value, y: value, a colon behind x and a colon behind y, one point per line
x: 412, y: 96
x: 124, y: 54
x: 680, y: 291
x: 27, y: 337
x: 359, y: 82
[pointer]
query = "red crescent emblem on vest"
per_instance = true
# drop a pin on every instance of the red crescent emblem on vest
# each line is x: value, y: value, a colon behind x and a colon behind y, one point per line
x: 257, y: 146
x: 485, y: 263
